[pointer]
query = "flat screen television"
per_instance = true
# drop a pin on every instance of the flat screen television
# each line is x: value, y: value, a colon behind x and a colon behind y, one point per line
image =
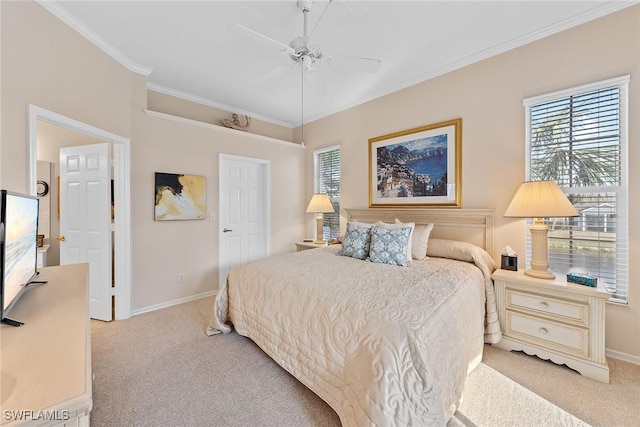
x: 18, y: 248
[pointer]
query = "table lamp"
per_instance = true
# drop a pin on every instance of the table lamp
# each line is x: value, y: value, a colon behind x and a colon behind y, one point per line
x: 539, y: 199
x: 319, y: 204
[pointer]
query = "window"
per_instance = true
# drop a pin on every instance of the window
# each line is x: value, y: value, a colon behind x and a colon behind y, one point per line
x: 326, y: 171
x: 578, y: 138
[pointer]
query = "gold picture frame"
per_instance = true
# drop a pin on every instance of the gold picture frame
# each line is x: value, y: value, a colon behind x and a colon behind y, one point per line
x: 419, y: 167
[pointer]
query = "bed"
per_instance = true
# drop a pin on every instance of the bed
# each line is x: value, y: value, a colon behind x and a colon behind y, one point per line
x: 382, y: 344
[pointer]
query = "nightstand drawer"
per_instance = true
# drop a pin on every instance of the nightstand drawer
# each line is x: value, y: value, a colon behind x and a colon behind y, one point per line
x: 568, y: 311
x: 569, y: 339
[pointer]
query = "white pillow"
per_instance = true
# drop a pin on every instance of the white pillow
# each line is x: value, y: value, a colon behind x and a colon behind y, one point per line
x: 419, y: 240
x: 396, y: 226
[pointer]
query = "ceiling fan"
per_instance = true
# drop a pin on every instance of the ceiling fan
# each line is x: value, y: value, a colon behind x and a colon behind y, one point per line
x: 301, y: 51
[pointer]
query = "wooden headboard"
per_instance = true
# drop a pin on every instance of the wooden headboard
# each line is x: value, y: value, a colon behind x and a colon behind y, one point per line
x: 467, y: 225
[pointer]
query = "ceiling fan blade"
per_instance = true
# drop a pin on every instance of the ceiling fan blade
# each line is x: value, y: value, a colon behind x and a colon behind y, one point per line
x: 272, y: 73
x: 369, y: 65
x: 320, y: 19
x: 241, y: 29
x: 329, y: 3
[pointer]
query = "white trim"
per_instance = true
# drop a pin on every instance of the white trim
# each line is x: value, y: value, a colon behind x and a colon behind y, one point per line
x: 602, y: 84
x: 625, y: 357
x: 267, y: 200
x: 184, y: 120
x: 122, y: 190
x: 65, y: 16
x: 622, y: 221
x: 167, y: 304
x: 599, y: 11
x: 209, y: 103
x: 596, y: 12
x: 325, y: 149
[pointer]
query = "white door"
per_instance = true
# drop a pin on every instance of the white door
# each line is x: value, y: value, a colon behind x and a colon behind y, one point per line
x: 85, y: 219
x: 244, y: 211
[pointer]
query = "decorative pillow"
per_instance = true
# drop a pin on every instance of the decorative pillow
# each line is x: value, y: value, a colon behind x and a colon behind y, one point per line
x: 357, y: 241
x: 419, y: 240
x: 389, y: 246
x: 398, y: 225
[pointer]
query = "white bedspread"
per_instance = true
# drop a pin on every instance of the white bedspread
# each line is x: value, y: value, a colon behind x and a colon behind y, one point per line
x: 383, y: 345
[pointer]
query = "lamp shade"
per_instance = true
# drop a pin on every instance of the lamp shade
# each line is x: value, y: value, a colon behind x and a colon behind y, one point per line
x: 320, y: 203
x: 540, y: 199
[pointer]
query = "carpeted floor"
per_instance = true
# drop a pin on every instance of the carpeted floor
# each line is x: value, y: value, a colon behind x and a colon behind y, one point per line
x: 160, y: 369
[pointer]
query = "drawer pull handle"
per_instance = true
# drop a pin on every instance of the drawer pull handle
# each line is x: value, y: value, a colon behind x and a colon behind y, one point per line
x: 544, y: 304
x: 544, y: 331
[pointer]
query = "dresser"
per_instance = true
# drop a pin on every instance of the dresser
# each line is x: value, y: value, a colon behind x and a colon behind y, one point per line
x: 46, y: 364
x: 554, y: 320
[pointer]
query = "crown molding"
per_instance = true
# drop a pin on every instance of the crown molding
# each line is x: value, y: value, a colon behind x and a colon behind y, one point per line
x: 62, y: 14
x: 594, y: 13
x: 209, y: 103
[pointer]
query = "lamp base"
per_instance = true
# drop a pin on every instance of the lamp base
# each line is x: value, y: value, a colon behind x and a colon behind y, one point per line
x: 539, y: 251
x: 540, y: 274
x: 319, y: 235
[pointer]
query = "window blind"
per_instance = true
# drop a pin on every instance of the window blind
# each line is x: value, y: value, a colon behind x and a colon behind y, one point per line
x: 578, y: 138
x: 327, y: 180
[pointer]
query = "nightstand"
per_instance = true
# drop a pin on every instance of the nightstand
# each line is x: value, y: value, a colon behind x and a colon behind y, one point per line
x: 303, y: 246
x: 554, y: 320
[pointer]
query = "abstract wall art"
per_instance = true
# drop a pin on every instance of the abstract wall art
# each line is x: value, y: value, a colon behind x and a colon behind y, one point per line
x: 179, y: 197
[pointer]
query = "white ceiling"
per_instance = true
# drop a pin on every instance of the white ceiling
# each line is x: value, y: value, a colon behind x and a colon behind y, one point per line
x: 189, y: 50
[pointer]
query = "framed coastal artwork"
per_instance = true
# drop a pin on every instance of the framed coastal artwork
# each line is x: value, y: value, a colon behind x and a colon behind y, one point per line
x: 419, y: 167
x: 179, y: 197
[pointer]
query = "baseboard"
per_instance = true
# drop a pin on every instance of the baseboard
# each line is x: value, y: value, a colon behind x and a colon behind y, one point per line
x: 622, y: 356
x: 172, y: 303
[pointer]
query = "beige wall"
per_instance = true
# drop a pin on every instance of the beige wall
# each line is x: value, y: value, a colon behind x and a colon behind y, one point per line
x: 46, y: 63
x: 488, y: 97
x: 165, y: 248
x: 164, y: 103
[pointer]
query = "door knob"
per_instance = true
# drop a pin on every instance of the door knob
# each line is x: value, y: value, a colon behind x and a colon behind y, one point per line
x: 226, y: 230
x: 61, y: 238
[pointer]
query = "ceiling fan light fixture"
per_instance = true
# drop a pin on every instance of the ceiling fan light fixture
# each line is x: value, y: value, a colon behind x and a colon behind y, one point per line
x: 307, y: 63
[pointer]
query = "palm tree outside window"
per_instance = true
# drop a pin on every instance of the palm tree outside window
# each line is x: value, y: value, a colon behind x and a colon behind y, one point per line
x: 578, y: 138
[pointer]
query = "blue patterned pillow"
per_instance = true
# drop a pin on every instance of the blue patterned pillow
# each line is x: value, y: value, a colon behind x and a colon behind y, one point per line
x: 357, y: 240
x: 389, y: 246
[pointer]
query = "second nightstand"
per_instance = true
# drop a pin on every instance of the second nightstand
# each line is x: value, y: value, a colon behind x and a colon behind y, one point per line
x: 303, y: 246
x: 554, y: 320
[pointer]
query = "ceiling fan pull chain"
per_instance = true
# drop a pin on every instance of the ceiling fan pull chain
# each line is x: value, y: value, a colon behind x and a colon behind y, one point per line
x: 302, y: 105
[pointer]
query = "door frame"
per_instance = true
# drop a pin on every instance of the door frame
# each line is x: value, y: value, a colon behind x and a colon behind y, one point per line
x: 122, y: 193
x: 222, y: 181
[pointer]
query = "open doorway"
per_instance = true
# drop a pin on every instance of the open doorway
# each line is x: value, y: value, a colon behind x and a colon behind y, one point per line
x: 120, y: 147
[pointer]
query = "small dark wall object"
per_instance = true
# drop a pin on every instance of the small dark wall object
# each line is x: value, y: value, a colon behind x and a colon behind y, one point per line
x: 509, y: 263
